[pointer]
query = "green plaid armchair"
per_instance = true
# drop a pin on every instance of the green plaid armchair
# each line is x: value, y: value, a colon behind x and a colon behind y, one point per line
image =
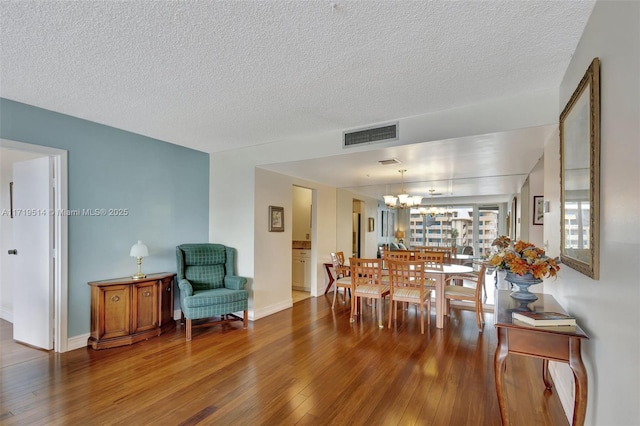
x: 209, y: 288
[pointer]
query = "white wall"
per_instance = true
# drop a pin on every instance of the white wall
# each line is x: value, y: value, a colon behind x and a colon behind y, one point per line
x: 607, y: 309
x: 301, y: 214
x: 533, y: 186
x: 536, y: 187
x: 7, y: 158
x: 271, y: 283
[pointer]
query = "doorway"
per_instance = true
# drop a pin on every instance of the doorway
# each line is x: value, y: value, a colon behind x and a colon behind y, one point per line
x: 59, y: 229
x: 301, y: 266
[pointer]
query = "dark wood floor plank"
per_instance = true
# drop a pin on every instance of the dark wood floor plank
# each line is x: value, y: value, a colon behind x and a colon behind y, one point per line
x: 305, y: 365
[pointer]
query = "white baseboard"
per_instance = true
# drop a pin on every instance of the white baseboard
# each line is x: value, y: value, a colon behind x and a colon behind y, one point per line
x: 563, y: 385
x: 77, y: 342
x: 6, y: 315
x: 269, y: 310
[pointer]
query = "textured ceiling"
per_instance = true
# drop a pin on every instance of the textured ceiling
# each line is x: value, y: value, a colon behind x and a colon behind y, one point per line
x: 218, y: 75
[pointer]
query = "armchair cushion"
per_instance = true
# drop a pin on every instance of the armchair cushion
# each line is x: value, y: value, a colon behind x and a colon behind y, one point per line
x: 217, y: 296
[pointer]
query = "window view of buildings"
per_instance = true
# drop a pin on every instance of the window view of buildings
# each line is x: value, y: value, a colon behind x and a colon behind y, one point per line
x: 577, y: 224
x: 454, y: 226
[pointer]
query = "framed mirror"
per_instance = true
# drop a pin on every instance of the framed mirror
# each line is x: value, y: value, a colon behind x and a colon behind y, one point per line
x: 580, y: 175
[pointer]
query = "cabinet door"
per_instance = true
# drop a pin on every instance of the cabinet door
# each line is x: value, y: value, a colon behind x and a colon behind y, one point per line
x: 113, y: 312
x: 166, y: 301
x: 298, y: 272
x: 145, y: 306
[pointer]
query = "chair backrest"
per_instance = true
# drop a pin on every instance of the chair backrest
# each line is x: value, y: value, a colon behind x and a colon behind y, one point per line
x: 433, y: 259
x: 337, y: 258
x: 399, y: 254
x: 366, y: 272
x: 467, y: 250
x: 448, y: 251
x: 406, y: 273
x: 205, y: 265
x: 480, y: 283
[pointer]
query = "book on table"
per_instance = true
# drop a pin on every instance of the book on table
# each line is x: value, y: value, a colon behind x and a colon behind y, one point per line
x: 545, y: 319
x: 555, y: 328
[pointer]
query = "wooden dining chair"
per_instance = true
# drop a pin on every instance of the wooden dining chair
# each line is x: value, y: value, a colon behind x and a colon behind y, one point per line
x: 474, y: 295
x: 473, y: 276
x: 449, y: 252
x: 366, y: 282
x: 399, y: 254
x: 343, y: 279
x: 433, y: 260
x: 408, y: 283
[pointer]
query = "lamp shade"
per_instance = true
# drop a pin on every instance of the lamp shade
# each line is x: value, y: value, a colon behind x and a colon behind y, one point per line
x: 139, y: 250
x: 390, y: 200
x: 399, y: 234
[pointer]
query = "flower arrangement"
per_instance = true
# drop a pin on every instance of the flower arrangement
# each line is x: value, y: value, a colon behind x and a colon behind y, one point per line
x: 522, y: 258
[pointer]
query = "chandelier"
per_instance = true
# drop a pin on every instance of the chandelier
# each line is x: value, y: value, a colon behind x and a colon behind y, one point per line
x: 429, y: 215
x: 403, y: 200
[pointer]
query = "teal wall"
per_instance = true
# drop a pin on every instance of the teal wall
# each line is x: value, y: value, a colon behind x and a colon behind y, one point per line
x: 165, y: 188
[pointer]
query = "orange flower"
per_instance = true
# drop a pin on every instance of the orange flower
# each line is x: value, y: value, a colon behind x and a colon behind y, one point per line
x: 519, y: 266
x: 539, y: 270
x: 520, y: 246
x: 495, y: 261
x: 522, y: 258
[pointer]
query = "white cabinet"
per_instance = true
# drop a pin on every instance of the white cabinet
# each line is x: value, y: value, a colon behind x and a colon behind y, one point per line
x: 301, y: 270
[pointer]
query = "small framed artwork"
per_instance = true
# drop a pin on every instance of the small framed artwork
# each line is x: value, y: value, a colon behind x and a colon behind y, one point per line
x: 276, y: 219
x: 372, y: 224
x: 538, y: 210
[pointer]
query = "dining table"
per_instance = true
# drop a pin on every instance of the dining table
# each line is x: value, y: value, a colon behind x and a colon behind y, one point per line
x: 463, y: 258
x: 440, y: 276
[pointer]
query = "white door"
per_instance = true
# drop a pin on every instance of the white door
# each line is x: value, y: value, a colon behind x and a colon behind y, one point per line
x: 33, y: 265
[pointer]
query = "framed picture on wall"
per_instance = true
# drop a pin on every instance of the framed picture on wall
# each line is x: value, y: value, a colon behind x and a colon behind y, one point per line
x: 276, y: 219
x: 371, y: 224
x: 538, y: 210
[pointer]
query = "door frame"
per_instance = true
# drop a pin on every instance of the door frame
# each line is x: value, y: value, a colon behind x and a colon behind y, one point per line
x: 60, y: 275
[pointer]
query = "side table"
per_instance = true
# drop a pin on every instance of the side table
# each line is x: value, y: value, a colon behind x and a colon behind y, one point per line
x: 327, y: 267
x: 548, y: 343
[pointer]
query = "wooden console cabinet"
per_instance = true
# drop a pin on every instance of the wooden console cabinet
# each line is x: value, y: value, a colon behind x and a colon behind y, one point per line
x: 125, y: 311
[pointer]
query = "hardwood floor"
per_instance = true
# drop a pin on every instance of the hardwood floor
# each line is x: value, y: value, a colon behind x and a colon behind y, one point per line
x: 305, y: 365
x: 297, y: 295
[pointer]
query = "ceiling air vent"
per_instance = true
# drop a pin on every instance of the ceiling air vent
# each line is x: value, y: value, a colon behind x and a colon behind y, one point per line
x: 389, y: 161
x: 388, y: 132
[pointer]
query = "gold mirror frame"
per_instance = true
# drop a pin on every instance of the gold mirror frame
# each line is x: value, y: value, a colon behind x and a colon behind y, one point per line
x: 580, y: 176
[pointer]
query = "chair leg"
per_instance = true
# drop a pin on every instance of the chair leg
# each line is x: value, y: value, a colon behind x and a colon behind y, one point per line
x: 354, y: 304
x: 188, y: 328
x: 335, y: 292
x: 245, y: 319
x: 429, y: 309
x: 478, y: 321
x: 379, y: 301
x: 391, y: 305
x: 422, y: 318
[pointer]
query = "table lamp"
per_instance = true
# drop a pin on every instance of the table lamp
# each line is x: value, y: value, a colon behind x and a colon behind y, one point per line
x: 139, y: 251
x: 400, y: 235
